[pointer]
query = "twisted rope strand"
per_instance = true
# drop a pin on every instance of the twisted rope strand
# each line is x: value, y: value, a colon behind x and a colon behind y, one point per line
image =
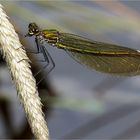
x: 18, y: 64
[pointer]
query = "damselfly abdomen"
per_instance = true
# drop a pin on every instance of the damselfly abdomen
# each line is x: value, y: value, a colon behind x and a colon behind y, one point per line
x: 103, y: 57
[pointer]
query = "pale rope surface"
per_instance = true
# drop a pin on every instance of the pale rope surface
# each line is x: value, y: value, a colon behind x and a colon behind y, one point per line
x: 18, y: 64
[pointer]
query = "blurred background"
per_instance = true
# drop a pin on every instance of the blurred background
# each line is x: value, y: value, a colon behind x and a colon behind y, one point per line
x: 78, y: 103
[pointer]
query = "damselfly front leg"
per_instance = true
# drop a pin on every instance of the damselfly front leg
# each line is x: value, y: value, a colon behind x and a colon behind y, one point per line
x: 32, y: 51
x: 47, y: 58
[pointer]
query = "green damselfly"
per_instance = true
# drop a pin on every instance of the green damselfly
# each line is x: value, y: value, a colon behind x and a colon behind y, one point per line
x: 103, y: 57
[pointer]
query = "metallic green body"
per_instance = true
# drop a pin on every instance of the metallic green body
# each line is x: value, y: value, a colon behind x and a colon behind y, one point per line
x: 103, y: 57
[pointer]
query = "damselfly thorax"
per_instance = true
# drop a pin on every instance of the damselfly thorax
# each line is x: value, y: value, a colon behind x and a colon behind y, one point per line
x: 48, y: 36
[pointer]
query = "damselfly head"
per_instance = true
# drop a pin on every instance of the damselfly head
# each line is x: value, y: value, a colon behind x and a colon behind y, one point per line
x: 33, y: 29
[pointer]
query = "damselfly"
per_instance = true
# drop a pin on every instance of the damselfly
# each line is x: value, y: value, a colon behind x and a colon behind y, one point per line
x: 103, y: 57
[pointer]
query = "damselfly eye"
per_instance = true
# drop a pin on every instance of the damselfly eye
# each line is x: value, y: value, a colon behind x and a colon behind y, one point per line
x: 31, y: 33
x: 36, y: 30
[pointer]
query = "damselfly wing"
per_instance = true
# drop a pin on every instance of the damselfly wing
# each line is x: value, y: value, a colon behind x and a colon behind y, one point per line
x: 103, y: 57
x: 100, y: 56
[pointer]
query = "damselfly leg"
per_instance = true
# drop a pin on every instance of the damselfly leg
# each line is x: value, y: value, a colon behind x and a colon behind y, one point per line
x: 32, y: 51
x: 47, y: 59
x: 37, y: 45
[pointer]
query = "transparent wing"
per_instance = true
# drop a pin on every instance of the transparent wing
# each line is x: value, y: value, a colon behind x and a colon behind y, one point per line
x: 126, y: 63
x: 119, y: 65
